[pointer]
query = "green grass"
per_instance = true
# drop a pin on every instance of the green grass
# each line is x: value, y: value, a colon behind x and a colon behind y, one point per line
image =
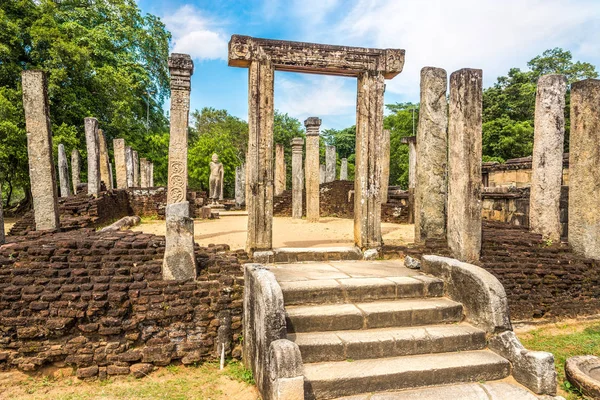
x: 564, y: 344
x: 237, y: 371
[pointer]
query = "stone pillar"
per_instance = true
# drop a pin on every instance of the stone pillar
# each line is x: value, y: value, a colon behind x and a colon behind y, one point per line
x: 367, y: 175
x: 344, y: 170
x: 136, y: 169
x: 432, y: 156
x: 110, y: 176
x: 129, y: 165
x: 104, y: 160
x: 322, y: 173
x: 2, y: 234
x: 385, y: 165
x: 260, y: 156
x: 151, y: 174
x: 240, y: 185
x: 464, y: 164
x: 39, y: 148
x: 297, y: 177
x: 120, y: 163
x: 180, y: 261
x: 584, y: 174
x: 279, y: 169
x: 63, y: 171
x: 411, y: 141
x: 75, y: 169
x: 311, y: 169
x: 330, y: 163
x: 93, y: 150
x: 143, y: 172
x: 547, y: 160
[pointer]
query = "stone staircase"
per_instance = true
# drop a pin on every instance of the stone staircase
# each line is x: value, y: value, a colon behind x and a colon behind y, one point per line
x: 382, y: 328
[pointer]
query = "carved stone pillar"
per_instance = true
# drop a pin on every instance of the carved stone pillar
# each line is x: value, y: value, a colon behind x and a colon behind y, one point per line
x: 312, y: 169
x: 104, y: 161
x: 297, y: 177
x: 367, y: 175
x: 547, y: 160
x: 39, y: 149
x: 464, y: 164
x: 344, y: 170
x: 260, y: 156
x: 120, y: 163
x: 75, y: 169
x: 279, y: 169
x: 63, y: 171
x: 93, y: 156
x: 330, y: 163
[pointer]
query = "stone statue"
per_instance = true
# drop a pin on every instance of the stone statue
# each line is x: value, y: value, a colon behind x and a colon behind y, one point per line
x: 216, y: 179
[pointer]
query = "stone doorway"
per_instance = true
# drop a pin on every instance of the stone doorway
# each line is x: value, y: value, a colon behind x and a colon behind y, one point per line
x: 370, y: 67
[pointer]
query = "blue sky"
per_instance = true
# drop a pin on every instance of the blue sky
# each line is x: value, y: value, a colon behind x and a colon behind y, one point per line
x: 493, y: 35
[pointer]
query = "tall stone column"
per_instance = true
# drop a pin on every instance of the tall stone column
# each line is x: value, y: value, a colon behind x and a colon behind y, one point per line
x: 330, y: 163
x: 39, y: 148
x: 547, y: 160
x: 432, y: 156
x: 63, y: 171
x: 385, y: 165
x: 240, y: 185
x: 75, y: 169
x: 2, y: 234
x: 279, y: 169
x: 297, y: 177
x: 136, y: 169
x: 311, y: 169
x: 584, y: 174
x: 151, y: 174
x: 120, y: 163
x: 129, y: 165
x: 110, y: 176
x: 93, y: 150
x: 464, y: 164
x: 104, y: 160
x: 180, y: 261
x: 367, y: 175
x: 143, y: 172
x: 344, y: 170
x: 412, y: 166
x: 260, y: 156
x: 322, y: 173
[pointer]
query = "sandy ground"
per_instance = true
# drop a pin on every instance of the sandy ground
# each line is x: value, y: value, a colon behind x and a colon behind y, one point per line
x: 8, y: 223
x: 287, y: 232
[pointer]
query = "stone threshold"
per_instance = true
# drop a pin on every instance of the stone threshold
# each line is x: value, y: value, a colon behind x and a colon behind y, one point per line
x: 304, y: 254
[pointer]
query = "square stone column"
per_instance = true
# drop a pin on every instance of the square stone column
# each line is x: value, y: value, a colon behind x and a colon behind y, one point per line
x: 93, y: 150
x: 259, y: 159
x: 120, y: 163
x: 39, y: 149
x: 330, y: 163
x: 240, y: 185
x: 584, y: 171
x: 110, y: 176
x: 322, y: 173
x: 385, y: 165
x: 143, y: 172
x: 180, y: 260
x: 279, y: 169
x: 297, y: 177
x: 63, y: 171
x: 129, y: 165
x: 151, y: 174
x: 312, y: 171
x: 367, y: 175
x: 431, y: 159
x: 136, y: 169
x: 344, y: 170
x: 464, y: 164
x: 547, y: 160
x: 75, y: 169
x: 104, y: 160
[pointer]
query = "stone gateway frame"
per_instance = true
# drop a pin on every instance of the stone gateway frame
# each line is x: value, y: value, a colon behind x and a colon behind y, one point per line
x: 371, y: 67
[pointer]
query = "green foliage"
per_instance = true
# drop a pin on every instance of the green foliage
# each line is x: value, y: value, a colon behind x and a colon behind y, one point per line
x: 285, y: 128
x: 344, y: 141
x: 402, y: 122
x: 237, y: 371
x: 102, y: 58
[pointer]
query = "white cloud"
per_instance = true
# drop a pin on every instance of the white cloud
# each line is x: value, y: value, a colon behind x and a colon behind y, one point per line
x: 195, y: 34
x: 486, y: 34
x: 303, y: 96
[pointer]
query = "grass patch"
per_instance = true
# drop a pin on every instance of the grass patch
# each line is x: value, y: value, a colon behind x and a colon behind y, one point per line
x: 237, y: 371
x: 564, y: 341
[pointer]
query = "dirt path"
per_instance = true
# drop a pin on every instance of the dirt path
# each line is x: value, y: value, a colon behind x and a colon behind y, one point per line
x: 287, y: 232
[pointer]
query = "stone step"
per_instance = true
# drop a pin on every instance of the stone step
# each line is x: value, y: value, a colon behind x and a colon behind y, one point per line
x: 304, y: 254
x: 360, y: 289
x: 497, y: 390
x: 376, y: 314
x: 342, y: 378
x: 387, y: 342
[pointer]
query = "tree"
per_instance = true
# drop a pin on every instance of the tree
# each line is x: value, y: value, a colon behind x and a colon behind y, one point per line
x: 402, y: 122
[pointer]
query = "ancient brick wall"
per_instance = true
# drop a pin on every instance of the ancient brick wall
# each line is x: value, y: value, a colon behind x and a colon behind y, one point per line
x: 151, y: 202
x: 97, y: 301
x: 81, y: 211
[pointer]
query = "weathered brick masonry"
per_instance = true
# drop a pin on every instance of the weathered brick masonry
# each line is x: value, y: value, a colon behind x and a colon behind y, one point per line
x: 97, y: 301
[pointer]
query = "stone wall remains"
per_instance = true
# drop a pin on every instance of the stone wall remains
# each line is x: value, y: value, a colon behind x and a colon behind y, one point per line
x: 151, y: 202
x: 97, y: 302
